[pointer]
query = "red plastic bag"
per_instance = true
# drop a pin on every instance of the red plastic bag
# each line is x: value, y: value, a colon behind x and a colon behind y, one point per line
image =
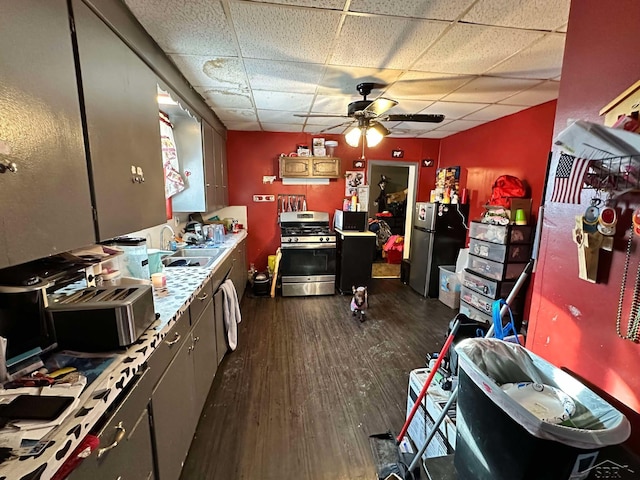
x: 504, y: 188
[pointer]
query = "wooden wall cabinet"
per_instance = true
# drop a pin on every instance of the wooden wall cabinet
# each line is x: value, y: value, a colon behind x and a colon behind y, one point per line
x: 46, y: 202
x: 309, y: 167
x: 123, y: 131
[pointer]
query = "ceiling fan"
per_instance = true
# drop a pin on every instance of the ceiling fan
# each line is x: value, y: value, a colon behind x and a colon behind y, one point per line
x: 369, y: 113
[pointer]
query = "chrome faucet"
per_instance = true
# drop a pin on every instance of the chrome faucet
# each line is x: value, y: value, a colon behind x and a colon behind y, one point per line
x: 173, y: 233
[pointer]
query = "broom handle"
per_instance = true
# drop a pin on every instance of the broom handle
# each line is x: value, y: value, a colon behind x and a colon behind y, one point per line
x: 423, y: 392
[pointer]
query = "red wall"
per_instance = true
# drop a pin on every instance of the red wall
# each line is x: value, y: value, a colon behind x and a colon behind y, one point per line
x: 251, y: 155
x: 573, y: 321
x: 516, y: 145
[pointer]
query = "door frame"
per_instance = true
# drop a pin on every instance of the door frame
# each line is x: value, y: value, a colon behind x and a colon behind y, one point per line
x: 411, y: 194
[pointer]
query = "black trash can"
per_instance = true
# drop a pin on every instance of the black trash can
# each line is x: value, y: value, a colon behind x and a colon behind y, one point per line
x: 261, y: 284
x: 405, y: 267
x: 499, y: 439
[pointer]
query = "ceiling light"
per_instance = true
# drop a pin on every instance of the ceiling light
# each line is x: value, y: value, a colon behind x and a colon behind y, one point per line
x: 375, y: 133
x: 353, y: 136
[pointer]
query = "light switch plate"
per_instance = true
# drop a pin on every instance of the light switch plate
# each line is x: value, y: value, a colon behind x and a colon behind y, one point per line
x: 264, y: 198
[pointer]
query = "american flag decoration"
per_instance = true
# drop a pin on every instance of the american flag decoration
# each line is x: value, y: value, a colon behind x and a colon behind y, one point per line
x: 569, y: 178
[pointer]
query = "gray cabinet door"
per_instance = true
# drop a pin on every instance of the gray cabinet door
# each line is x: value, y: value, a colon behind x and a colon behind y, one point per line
x: 221, y: 339
x: 205, y: 360
x: 120, y: 100
x: 46, y: 204
x: 174, y: 416
x: 218, y: 143
x: 208, y: 134
x: 225, y: 174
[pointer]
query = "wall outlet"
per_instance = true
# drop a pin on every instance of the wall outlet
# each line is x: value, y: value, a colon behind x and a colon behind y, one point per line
x: 264, y: 198
x: 268, y: 178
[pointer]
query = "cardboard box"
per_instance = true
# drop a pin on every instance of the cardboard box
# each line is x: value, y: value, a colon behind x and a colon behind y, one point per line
x: 449, y: 291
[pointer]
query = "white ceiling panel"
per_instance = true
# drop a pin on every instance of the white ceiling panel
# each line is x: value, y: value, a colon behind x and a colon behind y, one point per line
x: 343, y: 79
x: 460, y: 125
x: 541, y: 60
x: 534, y: 14
x: 188, y: 27
x: 473, y: 49
x: 278, y: 116
x: 205, y: 71
x: 432, y: 9
x: 384, y: 42
x: 281, y: 127
x: 317, y: 129
x: 453, y: 110
x: 238, y: 115
x: 426, y: 86
x: 288, y: 76
x: 293, y: 102
x: 478, y: 60
x: 283, y: 33
x: 493, y: 112
x: 222, y: 98
x: 489, y: 89
x: 541, y: 93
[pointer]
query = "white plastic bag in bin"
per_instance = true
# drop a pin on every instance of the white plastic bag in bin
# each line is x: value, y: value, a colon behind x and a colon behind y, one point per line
x: 491, y: 363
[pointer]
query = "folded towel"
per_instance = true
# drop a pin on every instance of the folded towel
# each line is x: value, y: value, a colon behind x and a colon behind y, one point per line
x: 231, y: 312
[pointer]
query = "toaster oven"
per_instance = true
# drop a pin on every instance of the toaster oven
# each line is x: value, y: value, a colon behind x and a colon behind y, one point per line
x: 102, y: 319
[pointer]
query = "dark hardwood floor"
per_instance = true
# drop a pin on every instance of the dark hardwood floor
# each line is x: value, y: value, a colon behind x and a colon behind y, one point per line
x: 308, y: 384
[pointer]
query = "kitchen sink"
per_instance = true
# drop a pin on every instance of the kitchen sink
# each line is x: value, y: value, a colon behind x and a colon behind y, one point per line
x: 188, y: 261
x: 199, y: 252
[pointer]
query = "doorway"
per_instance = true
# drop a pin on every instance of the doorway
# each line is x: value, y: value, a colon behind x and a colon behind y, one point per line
x: 392, y: 195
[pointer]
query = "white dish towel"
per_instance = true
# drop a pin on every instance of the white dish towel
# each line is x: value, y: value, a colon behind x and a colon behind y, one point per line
x: 231, y: 312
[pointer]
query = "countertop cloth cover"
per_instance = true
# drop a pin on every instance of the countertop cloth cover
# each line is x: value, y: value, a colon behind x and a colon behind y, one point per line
x: 231, y: 312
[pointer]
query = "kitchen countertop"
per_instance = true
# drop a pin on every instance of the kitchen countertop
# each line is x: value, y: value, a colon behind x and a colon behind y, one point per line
x: 183, y: 283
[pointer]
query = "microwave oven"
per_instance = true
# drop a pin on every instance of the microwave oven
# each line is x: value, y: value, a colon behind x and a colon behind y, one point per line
x: 354, y: 221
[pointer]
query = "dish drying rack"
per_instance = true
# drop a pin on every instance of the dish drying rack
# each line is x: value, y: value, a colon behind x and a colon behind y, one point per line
x: 617, y: 175
x: 291, y: 203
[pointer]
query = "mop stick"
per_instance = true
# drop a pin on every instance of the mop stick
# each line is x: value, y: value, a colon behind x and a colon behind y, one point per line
x: 454, y: 394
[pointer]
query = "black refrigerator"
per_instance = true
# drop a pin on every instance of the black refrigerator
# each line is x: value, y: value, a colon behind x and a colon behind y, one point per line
x: 439, y: 232
x: 355, y: 253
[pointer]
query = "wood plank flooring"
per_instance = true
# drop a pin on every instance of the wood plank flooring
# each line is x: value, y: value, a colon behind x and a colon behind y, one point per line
x: 308, y: 384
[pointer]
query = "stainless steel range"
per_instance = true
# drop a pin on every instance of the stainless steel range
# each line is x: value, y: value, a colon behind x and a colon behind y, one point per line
x: 308, y: 246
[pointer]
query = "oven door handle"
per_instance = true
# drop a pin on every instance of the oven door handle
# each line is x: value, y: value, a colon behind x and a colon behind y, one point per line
x: 301, y: 246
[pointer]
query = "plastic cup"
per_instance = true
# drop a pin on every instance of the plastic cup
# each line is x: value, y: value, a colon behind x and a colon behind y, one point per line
x: 521, y: 218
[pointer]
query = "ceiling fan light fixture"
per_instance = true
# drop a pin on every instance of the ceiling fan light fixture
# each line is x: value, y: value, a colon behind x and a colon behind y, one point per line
x: 352, y: 137
x: 375, y: 133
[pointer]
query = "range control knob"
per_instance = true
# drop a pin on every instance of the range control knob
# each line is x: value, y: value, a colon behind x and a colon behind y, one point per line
x: 327, y: 239
x: 289, y: 239
x: 321, y: 239
x: 295, y: 239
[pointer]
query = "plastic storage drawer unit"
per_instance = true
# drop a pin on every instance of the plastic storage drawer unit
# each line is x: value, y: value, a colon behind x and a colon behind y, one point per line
x: 504, y: 234
x: 517, y: 252
x: 488, y: 287
x: 474, y: 313
x: 495, y: 270
x: 476, y: 300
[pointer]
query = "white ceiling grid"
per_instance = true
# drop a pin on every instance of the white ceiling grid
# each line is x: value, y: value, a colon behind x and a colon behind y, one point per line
x: 258, y: 63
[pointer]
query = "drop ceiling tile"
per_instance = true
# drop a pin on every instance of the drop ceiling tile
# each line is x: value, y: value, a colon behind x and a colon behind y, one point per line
x: 284, y: 33
x: 287, y: 101
x: 416, y: 126
x: 405, y: 134
x: 344, y: 79
x: 316, y: 129
x: 541, y: 93
x: 493, y: 112
x: 541, y: 60
x: 244, y: 126
x: 334, y: 104
x: 205, y: 71
x: 432, y: 9
x: 384, y: 42
x: 283, y: 76
x: 329, y: 121
x: 190, y: 28
x: 473, y: 49
x: 237, y: 115
x: 281, y: 127
x: 408, y: 107
x: 460, y: 125
x: 435, y: 134
x: 562, y: 28
x: 489, y: 90
x: 453, y: 110
x: 426, y: 86
x: 275, y: 116
x: 531, y: 14
x: 330, y: 4
x: 220, y: 98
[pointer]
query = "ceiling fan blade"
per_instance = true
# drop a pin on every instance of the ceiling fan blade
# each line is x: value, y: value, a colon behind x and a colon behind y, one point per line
x: 379, y: 106
x: 319, y: 115
x: 335, y: 126
x: 416, y: 117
